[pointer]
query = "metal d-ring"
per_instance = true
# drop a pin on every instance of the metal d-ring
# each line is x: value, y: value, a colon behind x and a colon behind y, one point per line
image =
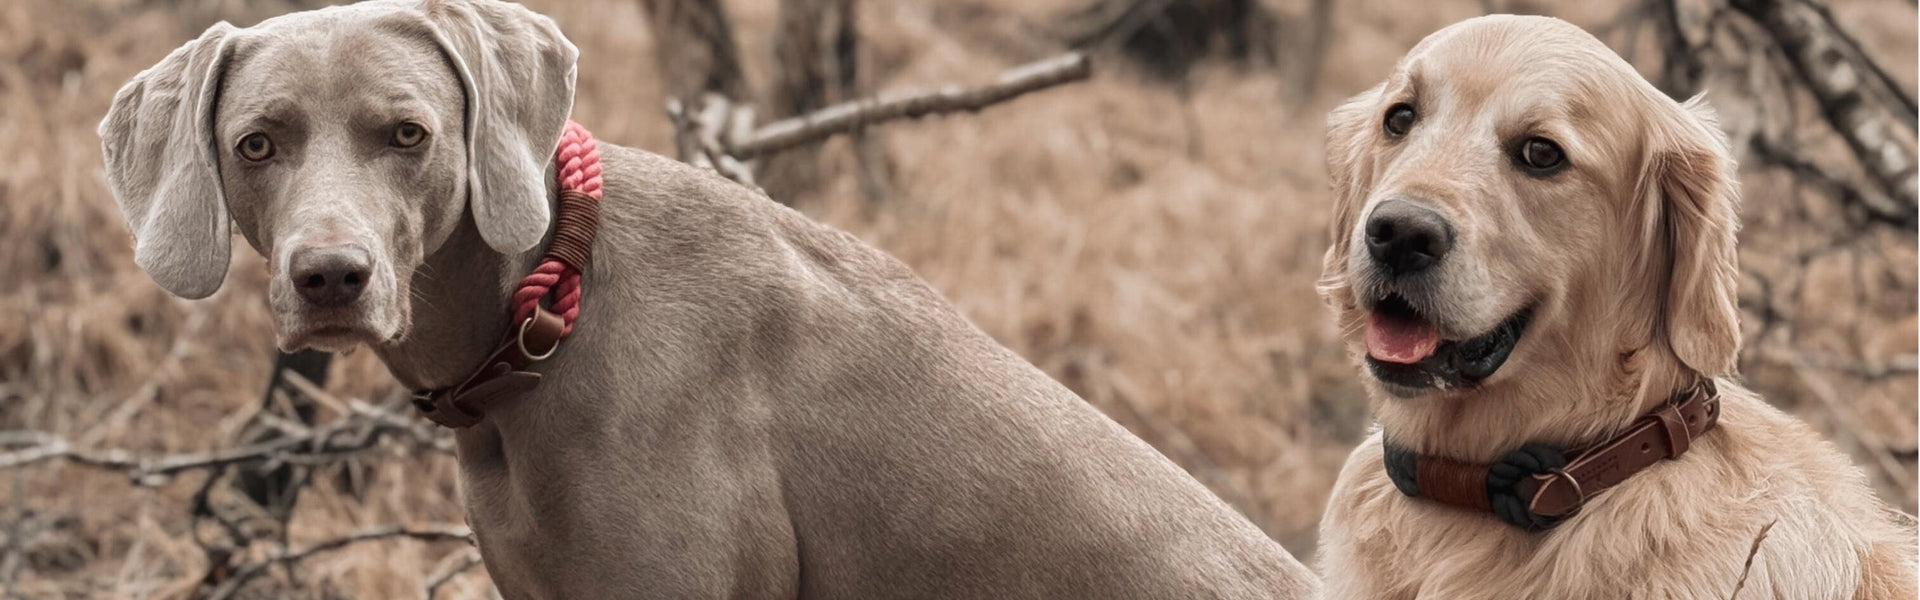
x: 521, y: 341
x: 1577, y: 490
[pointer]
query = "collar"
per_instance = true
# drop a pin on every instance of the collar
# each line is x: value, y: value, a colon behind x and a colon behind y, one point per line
x: 545, y: 303
x: 1537, y: 486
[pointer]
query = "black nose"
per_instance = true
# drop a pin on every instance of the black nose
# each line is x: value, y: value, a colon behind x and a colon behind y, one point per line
x: 330, y: 276
x: 1406, y: 237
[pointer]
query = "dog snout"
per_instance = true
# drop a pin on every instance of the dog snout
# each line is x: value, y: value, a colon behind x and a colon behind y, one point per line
x: 330, y: 276
x: 1407, y: 238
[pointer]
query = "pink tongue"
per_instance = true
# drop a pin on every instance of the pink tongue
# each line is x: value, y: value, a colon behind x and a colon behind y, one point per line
x: 1400, y: 340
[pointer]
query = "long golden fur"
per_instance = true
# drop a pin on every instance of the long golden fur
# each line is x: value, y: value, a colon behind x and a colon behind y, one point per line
x: 1627, y: 261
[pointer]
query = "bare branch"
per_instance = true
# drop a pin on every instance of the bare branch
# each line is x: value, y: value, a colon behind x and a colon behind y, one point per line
x: 425, y: 533
x: 1877, y: 205
x: 453, y: 565
x: 360, y: 429
x: 850, y: 116
x: 702, y: 129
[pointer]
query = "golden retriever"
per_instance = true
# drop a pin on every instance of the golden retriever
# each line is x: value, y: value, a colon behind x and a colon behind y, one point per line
x: 1532, y: 247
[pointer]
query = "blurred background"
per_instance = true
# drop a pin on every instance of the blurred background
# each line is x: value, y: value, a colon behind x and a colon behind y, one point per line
x: 1150, y: 237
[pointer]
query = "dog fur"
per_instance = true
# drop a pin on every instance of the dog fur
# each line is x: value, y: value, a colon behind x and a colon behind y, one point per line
x: 1627, y: 257
x: 753, y: 405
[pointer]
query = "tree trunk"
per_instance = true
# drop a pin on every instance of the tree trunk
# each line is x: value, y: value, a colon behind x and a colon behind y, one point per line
x: 693, y: 43
x: 816, y: 48
x: 1859, y: 104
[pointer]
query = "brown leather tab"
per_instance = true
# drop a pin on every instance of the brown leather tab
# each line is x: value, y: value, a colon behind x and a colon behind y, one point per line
x: 1674, y: 427
x: 1451, y: 481
x: 507, y: 386
x: 440, y: 409
x: 540, y: 337
x: 502, y: 375
x: 1664, y: 434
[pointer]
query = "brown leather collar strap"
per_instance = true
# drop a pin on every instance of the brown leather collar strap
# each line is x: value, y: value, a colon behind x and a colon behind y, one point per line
x: 1536, y: 486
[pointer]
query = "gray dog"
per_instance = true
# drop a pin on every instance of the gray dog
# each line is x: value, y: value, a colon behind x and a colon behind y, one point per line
x: 753, y: 405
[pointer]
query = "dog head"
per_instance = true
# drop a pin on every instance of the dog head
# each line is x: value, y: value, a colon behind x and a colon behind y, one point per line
x: 1515, y: 197
x: 348, y: 144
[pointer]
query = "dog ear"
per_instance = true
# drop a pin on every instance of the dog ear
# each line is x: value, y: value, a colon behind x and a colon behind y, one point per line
x: 1692, y: 172
x: 1348, y: 128
x: 162, y: 165
x: 517, y: 70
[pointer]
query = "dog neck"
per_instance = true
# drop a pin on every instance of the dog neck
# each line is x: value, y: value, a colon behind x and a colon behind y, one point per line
x: 461, y: 297
x: 1570, y: 402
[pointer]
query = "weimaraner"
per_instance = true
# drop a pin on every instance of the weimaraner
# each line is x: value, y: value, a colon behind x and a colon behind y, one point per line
x: 753, y: 404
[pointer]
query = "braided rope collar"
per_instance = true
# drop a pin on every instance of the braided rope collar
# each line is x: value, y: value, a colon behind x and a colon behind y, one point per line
x: 1537, y: 486
x: 556, y: 280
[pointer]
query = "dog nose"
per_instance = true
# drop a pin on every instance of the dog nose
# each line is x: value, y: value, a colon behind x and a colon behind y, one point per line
x: 1406, y: 237
x: 330, y: 276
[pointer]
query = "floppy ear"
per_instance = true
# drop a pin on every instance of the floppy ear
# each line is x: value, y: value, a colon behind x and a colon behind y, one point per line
x: 163, y: 167
x: 518, y: 74
x: 1699, y: 212
x: 1347, y: 163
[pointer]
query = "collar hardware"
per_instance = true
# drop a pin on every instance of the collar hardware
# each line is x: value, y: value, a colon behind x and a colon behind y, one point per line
x: 1537, y: 486
x: 546, y: 302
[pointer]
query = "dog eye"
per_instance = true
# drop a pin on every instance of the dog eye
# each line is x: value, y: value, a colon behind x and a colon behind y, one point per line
x: 1541, y: 155
x: 255, y: 147
x: 1400, y: 118
x: 409, y: 134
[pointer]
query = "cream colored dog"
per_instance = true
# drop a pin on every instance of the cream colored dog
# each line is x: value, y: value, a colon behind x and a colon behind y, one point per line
x: 1532, y: 245
x: 753, y: 405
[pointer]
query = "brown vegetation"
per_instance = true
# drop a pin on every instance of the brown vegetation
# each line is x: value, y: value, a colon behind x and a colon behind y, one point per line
x: 1152, y: 245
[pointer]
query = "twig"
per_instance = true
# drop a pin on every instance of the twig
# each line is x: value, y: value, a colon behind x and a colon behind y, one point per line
x: 1751, y: 554
x: 425, y: 533
x: 451, y: 566
x: 360, y: 429
x: 850, y: 116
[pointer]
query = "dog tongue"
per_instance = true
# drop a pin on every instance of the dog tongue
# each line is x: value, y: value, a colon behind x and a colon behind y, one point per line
x: 1400, y: 339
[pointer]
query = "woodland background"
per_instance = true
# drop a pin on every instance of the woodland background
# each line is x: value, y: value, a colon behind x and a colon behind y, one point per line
x: 1150, y: 237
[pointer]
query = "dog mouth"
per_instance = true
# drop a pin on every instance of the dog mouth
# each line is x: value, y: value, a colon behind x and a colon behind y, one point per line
x: 331, y: 333
x: 1406, y: 351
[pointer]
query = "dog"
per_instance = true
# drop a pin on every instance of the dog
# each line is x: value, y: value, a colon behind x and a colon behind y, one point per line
x: 1533, y: 253
x: 752, y: 404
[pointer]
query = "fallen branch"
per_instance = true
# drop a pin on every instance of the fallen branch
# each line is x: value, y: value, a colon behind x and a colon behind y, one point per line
x: 852, y: 116
x: 426, y: 533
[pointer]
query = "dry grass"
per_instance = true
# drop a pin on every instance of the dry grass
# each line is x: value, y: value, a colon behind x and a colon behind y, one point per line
x: 1153, y: 250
